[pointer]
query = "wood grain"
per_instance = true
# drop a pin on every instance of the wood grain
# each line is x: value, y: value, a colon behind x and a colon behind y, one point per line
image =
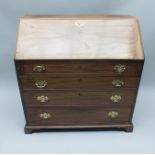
x: 71, y: 68
x: 98, y: 83
x: 78, y: 98
x: 79, y: 54
x: 77, y: 116
x: 78, y: 38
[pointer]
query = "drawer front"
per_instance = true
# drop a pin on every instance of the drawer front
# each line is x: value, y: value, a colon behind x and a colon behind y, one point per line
x: 108, y: 68
x: 97, y: 83
x: 81, y: 98
x: 77, y: 116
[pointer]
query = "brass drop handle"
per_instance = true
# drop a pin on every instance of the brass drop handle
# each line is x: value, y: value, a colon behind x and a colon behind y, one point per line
x: 42, y: 98
x: 118, y: 83
x: 41, y: 83
x: 45, y: 115
x: 120, y: 68
x: 39, y: 68
x: 115, y: 98
x: 113, y: 114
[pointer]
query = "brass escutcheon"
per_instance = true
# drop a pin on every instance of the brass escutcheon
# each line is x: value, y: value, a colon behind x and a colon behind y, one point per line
x: 45, y: 115
x: 113, y: 114
x: 41, y: 83
x: 42, y: 98
x: 118, y: 83
x: 115, y: 98
x: 39, y: 68
x: 120, y: 68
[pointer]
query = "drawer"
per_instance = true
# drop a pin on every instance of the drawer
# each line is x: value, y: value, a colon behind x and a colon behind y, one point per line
x: 78, y: 98
x: 106, y: 68
x: 97, y: 83
x: 47, y: 116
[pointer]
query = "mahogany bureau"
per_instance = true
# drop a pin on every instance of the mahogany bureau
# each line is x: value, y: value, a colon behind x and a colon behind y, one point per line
x: 78, y: 72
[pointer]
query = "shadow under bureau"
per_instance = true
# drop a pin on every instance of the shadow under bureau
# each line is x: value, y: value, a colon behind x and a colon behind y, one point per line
x: 78, y: 72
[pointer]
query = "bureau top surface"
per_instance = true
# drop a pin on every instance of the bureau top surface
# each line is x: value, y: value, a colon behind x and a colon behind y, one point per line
x: 78, y: 37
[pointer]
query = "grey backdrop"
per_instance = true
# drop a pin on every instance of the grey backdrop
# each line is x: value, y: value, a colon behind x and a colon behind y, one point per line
x: 12, y: 137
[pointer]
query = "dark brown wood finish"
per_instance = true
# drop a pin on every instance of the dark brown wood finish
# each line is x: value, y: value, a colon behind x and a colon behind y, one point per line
x: 93, y: 90
x: 136, y: 92
x: 80, y: 67
x: 77, y: 116
x: 78, y: 92
x: 78, y: 98
x: 99, y: 67
x: 97, y: 83
x: 128, y: 127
